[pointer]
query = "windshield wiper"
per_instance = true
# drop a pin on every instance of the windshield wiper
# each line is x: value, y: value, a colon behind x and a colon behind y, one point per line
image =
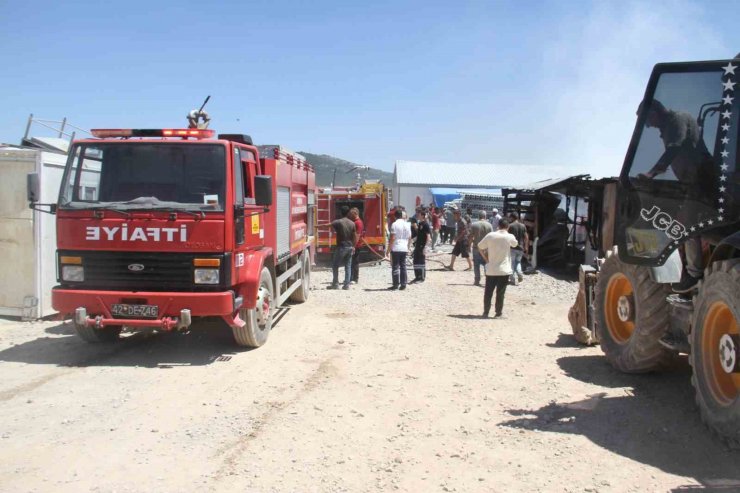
x: 173, y: 212
x: 99, y: 211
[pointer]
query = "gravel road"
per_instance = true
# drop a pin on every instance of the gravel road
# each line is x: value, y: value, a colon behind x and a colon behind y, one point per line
x: 360, y: 390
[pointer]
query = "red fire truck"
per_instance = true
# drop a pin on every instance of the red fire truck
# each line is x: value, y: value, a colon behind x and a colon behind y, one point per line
x: 158, y: 227
x: 371, y: 199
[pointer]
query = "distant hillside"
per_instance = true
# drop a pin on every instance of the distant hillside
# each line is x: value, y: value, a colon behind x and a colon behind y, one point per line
x: 325, y: 166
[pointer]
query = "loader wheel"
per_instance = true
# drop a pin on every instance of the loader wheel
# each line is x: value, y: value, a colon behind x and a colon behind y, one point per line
x: 301, y: 294
x: 631, y: 317
x: 258, y: 320
x: 94, y: 336
x: 714, y: 350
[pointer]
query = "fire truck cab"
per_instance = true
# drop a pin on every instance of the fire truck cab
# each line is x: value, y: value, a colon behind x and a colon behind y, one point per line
x: 156, y: 228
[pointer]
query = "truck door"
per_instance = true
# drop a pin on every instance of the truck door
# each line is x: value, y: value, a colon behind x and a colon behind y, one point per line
x: 679, y: 177
x: 238, y: 198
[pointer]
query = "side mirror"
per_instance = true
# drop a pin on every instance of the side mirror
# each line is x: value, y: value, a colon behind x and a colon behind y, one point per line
x: 263, y: 190
x: 32, y: 187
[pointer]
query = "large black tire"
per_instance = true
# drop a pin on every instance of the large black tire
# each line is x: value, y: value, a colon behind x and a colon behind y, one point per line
x: 716, y: 314
x: 258, y: 321
x: 96, y: 336
x: 631, y: 345
x: 300, y: 295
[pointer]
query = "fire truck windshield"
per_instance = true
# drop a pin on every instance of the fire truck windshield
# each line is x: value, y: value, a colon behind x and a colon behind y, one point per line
x: 144, y: 175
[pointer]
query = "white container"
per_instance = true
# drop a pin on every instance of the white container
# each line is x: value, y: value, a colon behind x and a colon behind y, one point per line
x: 27, y: 237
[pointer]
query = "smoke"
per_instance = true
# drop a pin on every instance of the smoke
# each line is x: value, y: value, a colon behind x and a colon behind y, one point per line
x: 597, y: 68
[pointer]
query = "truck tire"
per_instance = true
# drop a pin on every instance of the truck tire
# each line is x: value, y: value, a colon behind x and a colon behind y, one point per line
x: 300, y: 295
x: 258, y: 320
x: 631, y: 315
x: 714, y: 356
x: 94, y: 336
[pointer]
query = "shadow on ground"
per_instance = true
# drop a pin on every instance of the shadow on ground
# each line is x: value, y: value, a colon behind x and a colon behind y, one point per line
x: 567, y: 341
x: 655, y: 422
x: 207, y: 342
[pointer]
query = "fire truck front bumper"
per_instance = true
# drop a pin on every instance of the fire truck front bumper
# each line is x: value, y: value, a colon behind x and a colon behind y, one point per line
x: 159, y: 310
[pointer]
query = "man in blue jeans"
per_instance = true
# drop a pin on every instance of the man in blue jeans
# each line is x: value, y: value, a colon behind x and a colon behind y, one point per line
x: 478, y: 230
x: 346, y: 235
x: 519, y: 231
x: 399, y: 248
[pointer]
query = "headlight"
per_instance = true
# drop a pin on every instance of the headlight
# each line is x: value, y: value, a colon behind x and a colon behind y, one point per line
x: 73, y: 273
x: 206, y: 276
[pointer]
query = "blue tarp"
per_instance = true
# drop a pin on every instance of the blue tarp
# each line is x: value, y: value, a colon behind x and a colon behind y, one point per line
x: 442, y: 195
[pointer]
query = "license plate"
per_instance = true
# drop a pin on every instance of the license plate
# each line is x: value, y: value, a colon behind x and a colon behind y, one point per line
x: 134, y: 311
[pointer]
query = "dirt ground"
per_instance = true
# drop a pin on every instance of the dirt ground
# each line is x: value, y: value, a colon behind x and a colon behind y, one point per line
x: 360, y: 390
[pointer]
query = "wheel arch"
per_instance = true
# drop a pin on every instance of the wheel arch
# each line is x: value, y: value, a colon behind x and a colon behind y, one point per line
x: 255, y: 262
x: 728, y: 248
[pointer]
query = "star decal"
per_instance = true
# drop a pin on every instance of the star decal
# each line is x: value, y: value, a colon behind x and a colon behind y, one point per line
x: 722, y: 189
x: 723, y: 178
x: 729, y: 69
x: 727, y: 99
x: 720, y: 200
x: 725, y: 127
x: 723, y: 167
x: 710, y: 222
x: 720, y: 210
x: 693, y: 228
x: 720, y: 218
x: 725, y: 153
x: 726, y: 114
x: 701, y: 225
x: 725, y: 140
x: 729, y: 85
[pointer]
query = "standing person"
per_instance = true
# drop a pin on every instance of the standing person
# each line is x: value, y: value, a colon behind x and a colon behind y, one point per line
x: 399, y: 242
x: 478, y: 230
x: 436, y: 224
x: 344, y: 227
x: 354, y: 215
x: 450, y: 219
x: 442, y: 228
x: 496, y: 251
x: 462, y: 247
x: 495, y: 218
x: 423, y: 238
x: 522, y: 238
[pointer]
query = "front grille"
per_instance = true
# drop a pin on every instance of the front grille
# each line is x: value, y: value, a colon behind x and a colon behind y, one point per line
x: 160, y: 272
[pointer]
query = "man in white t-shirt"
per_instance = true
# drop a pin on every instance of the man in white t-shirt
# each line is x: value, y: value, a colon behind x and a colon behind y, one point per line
x: 399, y: 243
x: 495, y: 249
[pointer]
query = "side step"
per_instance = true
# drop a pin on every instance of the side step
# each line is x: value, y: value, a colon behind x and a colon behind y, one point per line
x: 681, y: 312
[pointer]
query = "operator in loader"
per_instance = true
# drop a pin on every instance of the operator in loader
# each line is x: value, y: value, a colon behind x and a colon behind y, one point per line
x: 688, y: 158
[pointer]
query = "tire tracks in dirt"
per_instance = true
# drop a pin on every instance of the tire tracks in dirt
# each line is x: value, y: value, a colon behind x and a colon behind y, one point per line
x: 237, y: 448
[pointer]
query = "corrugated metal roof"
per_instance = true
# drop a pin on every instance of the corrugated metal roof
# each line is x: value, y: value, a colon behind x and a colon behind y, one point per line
x: 477, y: 175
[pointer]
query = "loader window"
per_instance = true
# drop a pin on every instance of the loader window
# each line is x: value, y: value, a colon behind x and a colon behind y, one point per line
x: 675, y: 171
x: 145, y: 176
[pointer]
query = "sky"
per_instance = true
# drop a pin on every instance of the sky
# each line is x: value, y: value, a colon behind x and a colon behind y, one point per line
x: 530, y: 82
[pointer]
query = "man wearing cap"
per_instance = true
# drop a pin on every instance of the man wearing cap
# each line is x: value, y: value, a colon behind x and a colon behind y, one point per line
x: 495, y: 218
x: 462, y: 247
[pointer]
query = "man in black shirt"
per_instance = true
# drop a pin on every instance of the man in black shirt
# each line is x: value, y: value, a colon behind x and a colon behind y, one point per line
x: 423, y: 237
x: 346, y: 241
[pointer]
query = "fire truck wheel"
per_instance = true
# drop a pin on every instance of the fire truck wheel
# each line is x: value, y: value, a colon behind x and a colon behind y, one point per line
x: 301, y: 294
x: 258, y: 320
x: 631, y: 316
x: 93, y: 335
x: 714, y: 350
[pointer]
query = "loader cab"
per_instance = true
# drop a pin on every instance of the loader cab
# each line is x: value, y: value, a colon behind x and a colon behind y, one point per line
x: 680, y: 176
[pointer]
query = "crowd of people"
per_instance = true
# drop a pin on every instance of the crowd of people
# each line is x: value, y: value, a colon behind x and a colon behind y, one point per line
x: 496, y: 244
